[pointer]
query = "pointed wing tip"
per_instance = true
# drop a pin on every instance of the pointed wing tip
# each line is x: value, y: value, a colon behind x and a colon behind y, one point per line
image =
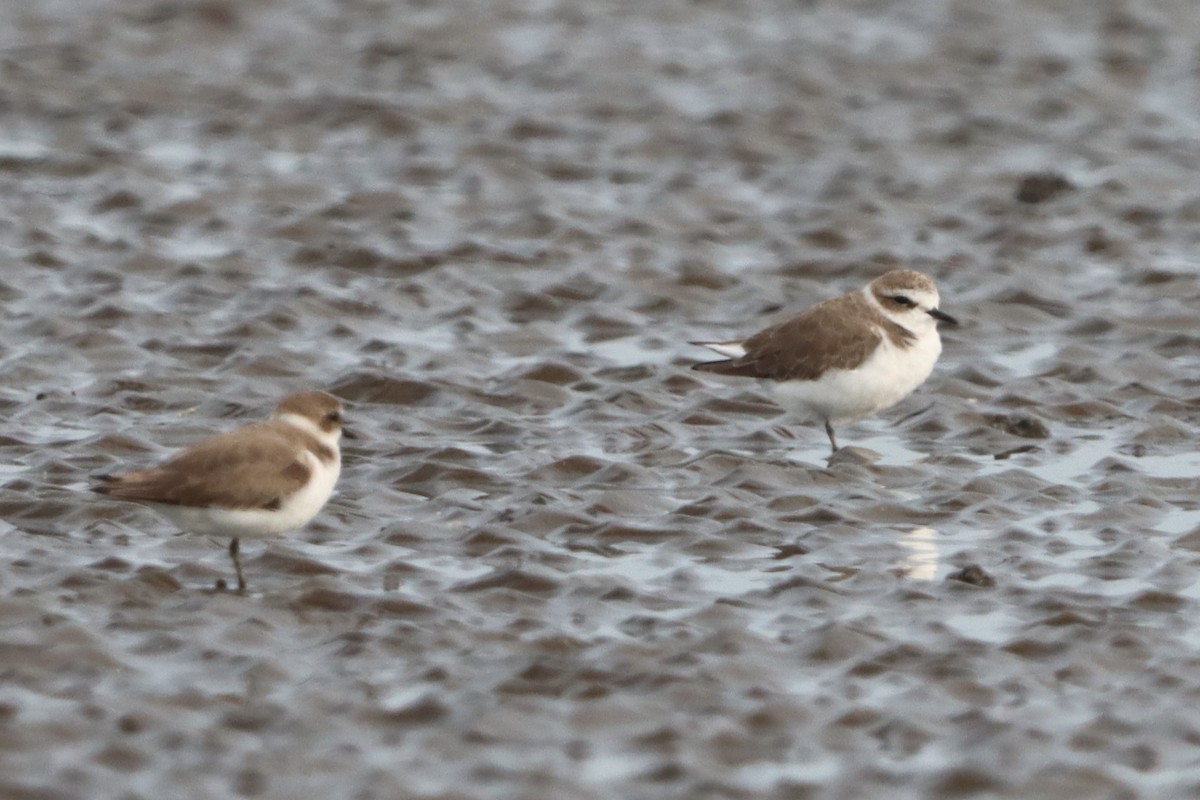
x: 102, y: 482
x: 727, y: 349
x: 120, y: 486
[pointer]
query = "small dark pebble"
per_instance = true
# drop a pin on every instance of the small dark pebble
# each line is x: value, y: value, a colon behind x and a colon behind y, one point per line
x: 790, y: 550
x: 1019, y: 425
x: 1038, y: 187
x: 1025, y: 448
x: 972, y: 574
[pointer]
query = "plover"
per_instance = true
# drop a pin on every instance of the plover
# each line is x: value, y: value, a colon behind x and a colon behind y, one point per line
x: 260, y: 480
x: 847, y: 357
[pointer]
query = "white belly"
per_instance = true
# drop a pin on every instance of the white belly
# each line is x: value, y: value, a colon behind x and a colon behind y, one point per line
x: 884, y: 379
x: 294, y: 511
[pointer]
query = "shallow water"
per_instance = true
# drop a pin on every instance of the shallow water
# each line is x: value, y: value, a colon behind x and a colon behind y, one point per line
x: 561, y: 564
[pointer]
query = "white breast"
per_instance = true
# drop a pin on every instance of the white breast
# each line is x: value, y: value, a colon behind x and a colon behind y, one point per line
x: 889, y: 375
x: 302, y: 506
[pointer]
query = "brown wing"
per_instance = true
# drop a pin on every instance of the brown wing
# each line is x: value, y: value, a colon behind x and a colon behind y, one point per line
x: 253, y: 467
x: 805, y: 346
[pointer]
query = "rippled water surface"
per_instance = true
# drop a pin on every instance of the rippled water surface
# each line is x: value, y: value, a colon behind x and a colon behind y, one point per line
x: 560, y: 564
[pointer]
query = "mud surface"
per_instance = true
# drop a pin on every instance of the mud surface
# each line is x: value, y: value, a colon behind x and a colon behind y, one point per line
x: 561, y: 565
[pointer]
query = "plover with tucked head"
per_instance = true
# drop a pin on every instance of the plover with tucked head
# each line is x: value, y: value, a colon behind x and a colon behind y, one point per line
x: 848, y: 357
x: 260, y: 480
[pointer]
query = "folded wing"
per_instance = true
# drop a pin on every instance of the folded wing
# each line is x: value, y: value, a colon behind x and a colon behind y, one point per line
x: 249, y: 468
x: 830, y: 335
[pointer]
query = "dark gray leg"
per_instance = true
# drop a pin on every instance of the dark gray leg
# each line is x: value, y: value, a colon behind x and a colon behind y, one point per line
x: 829, y: 431
x: 234, y: 550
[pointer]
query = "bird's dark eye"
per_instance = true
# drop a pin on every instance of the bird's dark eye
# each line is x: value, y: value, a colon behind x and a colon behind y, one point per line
x: 900, y: 299
x: 334, y: 416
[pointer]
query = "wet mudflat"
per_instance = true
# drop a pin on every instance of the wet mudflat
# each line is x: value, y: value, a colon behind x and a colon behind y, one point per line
x: 560, y: 564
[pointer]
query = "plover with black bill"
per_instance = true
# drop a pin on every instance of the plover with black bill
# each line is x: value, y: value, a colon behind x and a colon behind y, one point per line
x: 848, y: 357
x: 258, y: 481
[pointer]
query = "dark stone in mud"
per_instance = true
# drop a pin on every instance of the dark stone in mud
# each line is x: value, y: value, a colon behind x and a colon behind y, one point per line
x: 974, y: 575
x: 789, y: 551
x: 1006, y: 454
x: 1019, y: 425
x: 1039, y: 187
